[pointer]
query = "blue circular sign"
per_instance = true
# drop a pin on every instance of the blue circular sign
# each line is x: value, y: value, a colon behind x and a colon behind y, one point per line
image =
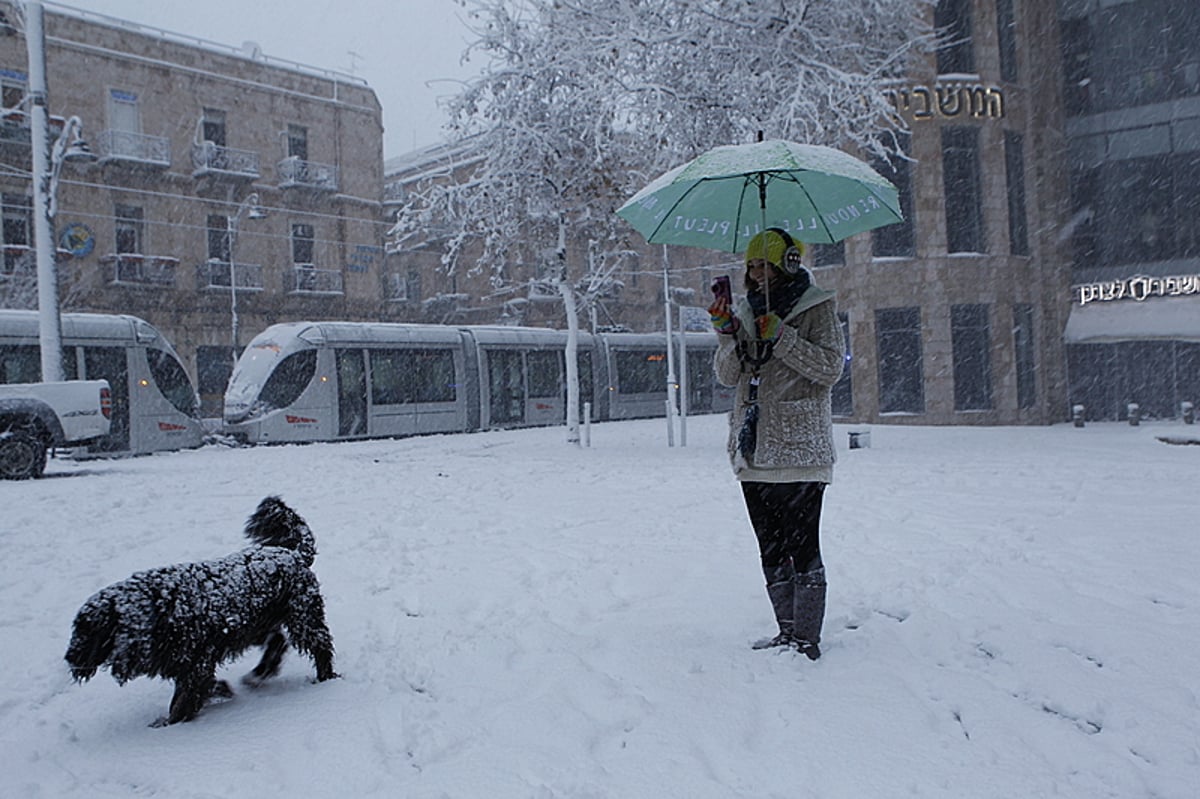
x: 77, y: 239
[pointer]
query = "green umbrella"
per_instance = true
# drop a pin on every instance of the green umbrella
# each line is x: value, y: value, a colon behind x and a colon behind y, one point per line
x: 722, y: 198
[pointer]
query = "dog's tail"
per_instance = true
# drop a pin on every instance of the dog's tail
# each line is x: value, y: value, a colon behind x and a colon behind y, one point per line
x: 93, y: 636
x: 274, y: 524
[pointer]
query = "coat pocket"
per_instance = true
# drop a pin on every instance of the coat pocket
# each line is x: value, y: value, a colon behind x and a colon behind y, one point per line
x: 795, y: 433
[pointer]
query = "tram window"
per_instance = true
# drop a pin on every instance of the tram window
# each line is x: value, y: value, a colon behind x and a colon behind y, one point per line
x: 403, y: 376
x: 172, y: 381
x: 641, y: 372
x: 20, y: 363
x: 290, y: 378
x: 388, y: 377
x: 544, y: 379
x: 434, y: 372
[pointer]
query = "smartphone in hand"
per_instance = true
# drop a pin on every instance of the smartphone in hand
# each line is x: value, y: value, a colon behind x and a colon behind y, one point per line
x: 721, y: 288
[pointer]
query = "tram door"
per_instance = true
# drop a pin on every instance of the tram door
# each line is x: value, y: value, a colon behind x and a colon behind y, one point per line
x: 110, y: 363
x: 352, y: 393
x: 506, y: 388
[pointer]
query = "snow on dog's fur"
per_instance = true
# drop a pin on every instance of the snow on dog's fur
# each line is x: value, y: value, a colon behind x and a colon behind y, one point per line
x: 181, y: 622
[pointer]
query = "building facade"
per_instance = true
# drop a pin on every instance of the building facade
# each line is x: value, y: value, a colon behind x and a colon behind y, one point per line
x: 229, y: 190
x: 955, y: 315
x: 634, y: 300
x: 1132, y: 104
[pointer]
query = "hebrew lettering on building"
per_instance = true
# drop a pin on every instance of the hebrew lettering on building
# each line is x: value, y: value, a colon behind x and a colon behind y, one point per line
x: 1138, y: 288
x: 948, y: 100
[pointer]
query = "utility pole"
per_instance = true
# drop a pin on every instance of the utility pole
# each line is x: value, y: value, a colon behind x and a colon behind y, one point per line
x: 49, y: 320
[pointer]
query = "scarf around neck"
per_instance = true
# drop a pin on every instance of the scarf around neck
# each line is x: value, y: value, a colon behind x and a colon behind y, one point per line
x: 783, y: 298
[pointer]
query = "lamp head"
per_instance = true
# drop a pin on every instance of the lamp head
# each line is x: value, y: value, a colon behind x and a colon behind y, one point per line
x: 252, y: 207
x: 78, y: 151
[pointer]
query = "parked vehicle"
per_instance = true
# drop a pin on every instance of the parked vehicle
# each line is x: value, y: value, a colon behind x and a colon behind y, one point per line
x: 34, y: 417
x: 154, y: 403
x: 326, y: 381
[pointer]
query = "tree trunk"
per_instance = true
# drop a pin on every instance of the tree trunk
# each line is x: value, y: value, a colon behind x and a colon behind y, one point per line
x: 572, y: 353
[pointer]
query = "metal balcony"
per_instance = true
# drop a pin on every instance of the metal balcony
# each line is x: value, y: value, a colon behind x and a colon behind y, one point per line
x: 133, y: 149
x: 216, y: 275
x: 212, y: 160
x: 15, y: 130
x: 18, y: 259
x: 297, y: 174
x: 134, y: 269
x: 306, y: 279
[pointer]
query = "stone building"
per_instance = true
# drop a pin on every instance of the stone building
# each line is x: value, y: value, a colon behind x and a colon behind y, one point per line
x: 427, y: 293
x: 229, y: 191
x: 955, y: 316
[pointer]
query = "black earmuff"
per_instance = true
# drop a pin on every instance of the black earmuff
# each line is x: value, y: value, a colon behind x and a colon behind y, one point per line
x: 793, y: 255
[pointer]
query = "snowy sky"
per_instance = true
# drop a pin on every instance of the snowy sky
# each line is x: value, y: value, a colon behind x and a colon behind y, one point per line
x: 409, y: 51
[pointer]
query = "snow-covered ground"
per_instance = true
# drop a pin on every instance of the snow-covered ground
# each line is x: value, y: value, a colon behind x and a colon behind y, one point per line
x: 1012, y: 613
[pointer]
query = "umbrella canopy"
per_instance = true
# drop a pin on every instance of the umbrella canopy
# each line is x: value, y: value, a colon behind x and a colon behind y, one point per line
x: 722, y: 198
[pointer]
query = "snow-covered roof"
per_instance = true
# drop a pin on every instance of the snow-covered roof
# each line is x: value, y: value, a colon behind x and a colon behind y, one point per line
x: 435, y: 157
x: 1168, y: 318
x: 249, y: 50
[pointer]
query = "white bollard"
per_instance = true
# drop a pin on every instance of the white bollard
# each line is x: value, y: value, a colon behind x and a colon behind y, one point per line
x: 860, y: 439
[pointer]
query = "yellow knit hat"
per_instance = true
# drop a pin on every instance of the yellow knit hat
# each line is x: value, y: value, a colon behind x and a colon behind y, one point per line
x: 776, y: 244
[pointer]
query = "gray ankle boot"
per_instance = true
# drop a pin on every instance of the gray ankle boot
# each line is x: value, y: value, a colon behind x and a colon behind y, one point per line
x: 781, y: 587
x: 808, y: 611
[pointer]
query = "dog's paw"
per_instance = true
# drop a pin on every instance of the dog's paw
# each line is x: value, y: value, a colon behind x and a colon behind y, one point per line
x: 252, y: 680
x: 161, y: 721
x: 221, y: 691
x: 333, y: 675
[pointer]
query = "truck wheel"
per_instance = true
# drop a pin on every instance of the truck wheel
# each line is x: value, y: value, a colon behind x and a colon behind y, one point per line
x: 22, y: 456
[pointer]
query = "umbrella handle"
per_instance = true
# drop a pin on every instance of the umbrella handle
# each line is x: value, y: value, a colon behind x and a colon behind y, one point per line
x: 762, y: 208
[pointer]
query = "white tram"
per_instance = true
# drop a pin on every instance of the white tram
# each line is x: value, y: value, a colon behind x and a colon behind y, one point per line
x: 154, y: 403
x: 327, y: 381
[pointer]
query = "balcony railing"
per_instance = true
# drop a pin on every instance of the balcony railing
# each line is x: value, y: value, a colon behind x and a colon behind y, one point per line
x: 212, y: 160
x: 134, y: 269
x: 18, y: 259
x: 14, y: 128
x: 294, y: 173
x: 216, y: 275
x: 121, y: 146
x: 394, y: 193
x: 307, y: 279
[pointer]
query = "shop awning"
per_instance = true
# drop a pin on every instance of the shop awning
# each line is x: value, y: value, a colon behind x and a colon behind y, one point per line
x: 1154, y: 319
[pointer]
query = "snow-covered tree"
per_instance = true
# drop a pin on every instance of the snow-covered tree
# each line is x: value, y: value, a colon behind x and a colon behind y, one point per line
x: 581, y: 103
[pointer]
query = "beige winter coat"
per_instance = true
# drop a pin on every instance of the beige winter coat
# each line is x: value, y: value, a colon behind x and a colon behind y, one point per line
x: 795, y: 424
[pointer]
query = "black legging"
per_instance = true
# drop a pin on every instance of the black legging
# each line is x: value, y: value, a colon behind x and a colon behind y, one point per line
x: 787, y: 520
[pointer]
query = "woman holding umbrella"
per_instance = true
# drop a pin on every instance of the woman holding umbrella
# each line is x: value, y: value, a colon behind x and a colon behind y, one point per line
x: 782, y: 347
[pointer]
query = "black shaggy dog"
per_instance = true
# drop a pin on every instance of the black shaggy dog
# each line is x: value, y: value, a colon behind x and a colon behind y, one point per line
x: 181, y: 622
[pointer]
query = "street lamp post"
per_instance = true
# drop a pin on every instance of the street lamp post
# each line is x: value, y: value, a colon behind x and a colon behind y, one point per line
x: 251, y: 209
x: 46, y: 166
x: 49, y: 323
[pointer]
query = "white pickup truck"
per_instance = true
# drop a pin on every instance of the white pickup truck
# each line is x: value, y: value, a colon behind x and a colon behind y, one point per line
x: 35, y: 417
